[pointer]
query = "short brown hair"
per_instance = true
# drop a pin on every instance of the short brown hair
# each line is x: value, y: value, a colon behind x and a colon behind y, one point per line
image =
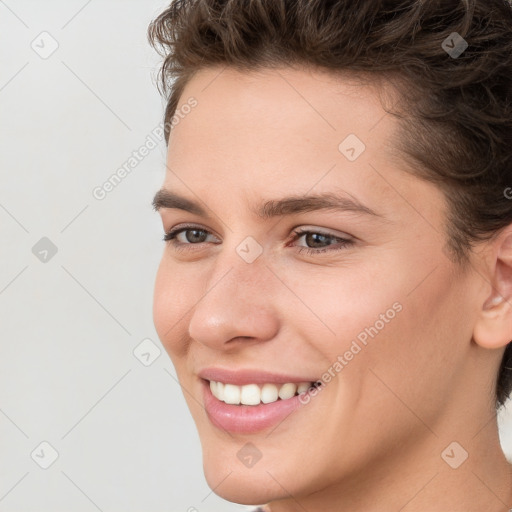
x: 456, y: 115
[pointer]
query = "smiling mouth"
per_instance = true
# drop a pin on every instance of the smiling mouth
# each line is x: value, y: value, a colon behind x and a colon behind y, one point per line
x: 256, y: 394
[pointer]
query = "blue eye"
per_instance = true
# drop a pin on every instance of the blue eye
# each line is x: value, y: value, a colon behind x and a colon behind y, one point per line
x: 172, y: 234
x: 195, y: 235
x: 318, y: 237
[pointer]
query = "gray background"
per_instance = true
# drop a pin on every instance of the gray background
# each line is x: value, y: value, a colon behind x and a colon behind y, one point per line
x: 70, y: 321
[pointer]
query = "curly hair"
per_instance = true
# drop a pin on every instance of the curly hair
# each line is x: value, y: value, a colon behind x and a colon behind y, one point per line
x: 449, y: 60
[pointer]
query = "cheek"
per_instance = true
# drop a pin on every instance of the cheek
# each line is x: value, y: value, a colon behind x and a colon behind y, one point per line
x: 170, y: 308
x: 421, y: 352
x: 349, y: 305
x: 379, y: 318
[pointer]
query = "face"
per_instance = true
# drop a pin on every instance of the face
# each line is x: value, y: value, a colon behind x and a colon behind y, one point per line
x: 266, y: 288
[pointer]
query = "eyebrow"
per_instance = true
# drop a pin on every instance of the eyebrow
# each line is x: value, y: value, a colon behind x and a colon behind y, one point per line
x: 274, y: 207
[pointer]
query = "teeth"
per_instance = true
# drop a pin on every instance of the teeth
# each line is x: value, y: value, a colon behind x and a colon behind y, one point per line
x: 250, y: 394
x: 269, y: 393
x: 232, y: 394
x: 253, y: 394
x: 287, y: 391
x: 301, y: 388
x: 220, y: 391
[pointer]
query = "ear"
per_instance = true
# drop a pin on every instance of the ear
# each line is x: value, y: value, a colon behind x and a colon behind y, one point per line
x: 493, y: 328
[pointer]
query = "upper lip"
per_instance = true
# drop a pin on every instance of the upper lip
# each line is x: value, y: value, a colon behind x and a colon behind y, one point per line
x: 249, y: 376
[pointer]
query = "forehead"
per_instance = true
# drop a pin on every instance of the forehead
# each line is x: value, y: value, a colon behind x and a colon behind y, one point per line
x: 256, y: 135
x: 297, y: 105
x: 276, y: 119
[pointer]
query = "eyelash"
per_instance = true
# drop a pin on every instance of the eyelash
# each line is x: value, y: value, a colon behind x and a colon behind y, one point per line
x: 170, y: 236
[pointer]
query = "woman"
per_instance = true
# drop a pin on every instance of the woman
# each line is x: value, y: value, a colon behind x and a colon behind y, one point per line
x: 336, y: 286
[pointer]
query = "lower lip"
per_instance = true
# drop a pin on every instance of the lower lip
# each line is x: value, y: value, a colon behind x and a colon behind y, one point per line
x: 247, y: 419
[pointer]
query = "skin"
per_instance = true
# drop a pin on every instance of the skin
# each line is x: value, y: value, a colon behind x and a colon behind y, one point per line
x: 372, y: 439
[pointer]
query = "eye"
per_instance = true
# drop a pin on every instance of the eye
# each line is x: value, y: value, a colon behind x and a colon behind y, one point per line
x: 192, y: 235
x: 316, y: 238
x: 321, y: 242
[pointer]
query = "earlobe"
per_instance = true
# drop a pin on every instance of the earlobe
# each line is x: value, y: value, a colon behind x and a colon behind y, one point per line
x: 493, y: 328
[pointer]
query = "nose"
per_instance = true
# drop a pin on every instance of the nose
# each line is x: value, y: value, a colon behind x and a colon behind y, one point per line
x: 236, y: 306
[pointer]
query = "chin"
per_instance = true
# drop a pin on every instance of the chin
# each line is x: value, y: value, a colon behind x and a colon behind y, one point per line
x: 244, y: 486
